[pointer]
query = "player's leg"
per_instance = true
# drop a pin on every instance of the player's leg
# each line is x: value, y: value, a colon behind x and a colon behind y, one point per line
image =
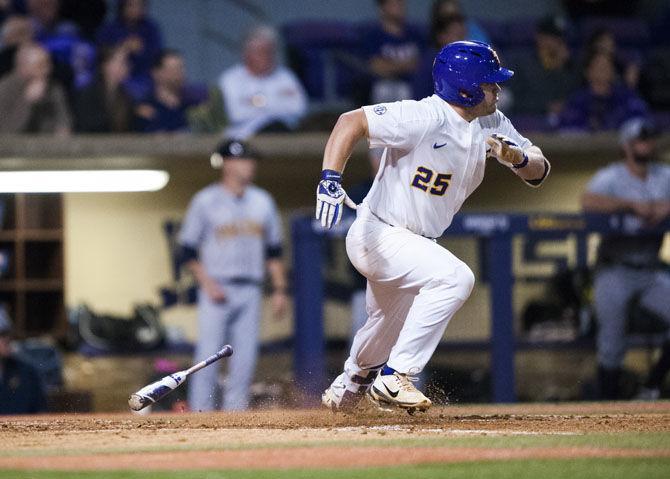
x: 370, y: 346
x: 613, y: 288
x: 441, y: 284
x: 243, y: 334
x: 448, y: 285
x: 387, y: 308
x: 359, y: 314
x: 212, y: 319
x: 402, y: 263
x: 655, y: 299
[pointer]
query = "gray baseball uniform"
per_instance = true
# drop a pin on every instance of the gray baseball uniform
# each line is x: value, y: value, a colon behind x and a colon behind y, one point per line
x: 628, y: 265
x: 233, y: 236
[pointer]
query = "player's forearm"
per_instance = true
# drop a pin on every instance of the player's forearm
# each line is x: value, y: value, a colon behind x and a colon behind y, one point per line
x: 349, y: 129
x: 594, y: 203
x: 277, y: 274
x: 384, y: 67
x: 535, y: 169
x: 198, y: 272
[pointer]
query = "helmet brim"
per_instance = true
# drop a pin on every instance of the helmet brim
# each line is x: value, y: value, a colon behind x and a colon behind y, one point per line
x: 499, y: 76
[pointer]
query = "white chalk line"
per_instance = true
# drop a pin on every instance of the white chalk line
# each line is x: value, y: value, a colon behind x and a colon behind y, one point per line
x: 455, y: 432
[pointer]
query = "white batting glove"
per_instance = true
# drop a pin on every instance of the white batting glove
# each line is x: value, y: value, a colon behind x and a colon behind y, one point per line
x: 506, y: 151
x: 330, y: 198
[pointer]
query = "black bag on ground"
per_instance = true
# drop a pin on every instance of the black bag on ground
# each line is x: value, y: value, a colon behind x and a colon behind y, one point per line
x: 141, y: 332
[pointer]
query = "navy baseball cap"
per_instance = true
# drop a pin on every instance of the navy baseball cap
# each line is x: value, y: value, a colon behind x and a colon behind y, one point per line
x: 231, y: 149
x: 637, y: 129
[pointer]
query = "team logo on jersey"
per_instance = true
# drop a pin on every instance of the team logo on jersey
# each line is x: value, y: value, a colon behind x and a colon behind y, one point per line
x: 240, y: 228
x: 379, y: 109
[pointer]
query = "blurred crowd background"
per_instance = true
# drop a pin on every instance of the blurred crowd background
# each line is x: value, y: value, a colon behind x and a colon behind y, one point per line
x: 84, y: 79
x: 146, y: 66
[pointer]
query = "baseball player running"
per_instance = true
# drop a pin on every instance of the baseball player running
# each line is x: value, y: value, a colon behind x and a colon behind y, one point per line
x: 435, y: 154
x: 231, y: 232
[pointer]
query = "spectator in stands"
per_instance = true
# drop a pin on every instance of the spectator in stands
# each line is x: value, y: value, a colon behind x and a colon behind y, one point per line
x: 544, y: 79
x: 104, y: 106
x: 259, y: 94
x: 72, y: 58
x: 16, y: 31
x: 48, y: 24
x: 452, y: 8
x: 30, y: 101
x: 8, y: 8
x: 21, y: 388
x: 627, y: 64
x: 141, y: 36
x: 604, y: 103
x: 443, y: 31
x: 88, y: 15
x: 392, y: 48
x: 629, y: 266
x: 165, y: 108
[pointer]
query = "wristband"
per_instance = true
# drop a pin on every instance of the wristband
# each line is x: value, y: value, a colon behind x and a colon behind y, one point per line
x: 331, y: 175
x: 522, y: 164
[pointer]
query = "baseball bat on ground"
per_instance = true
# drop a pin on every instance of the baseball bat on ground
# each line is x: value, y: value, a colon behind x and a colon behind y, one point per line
x: 155, y: 391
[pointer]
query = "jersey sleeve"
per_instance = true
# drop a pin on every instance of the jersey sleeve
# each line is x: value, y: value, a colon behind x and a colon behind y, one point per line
x: 194, y: 225
x: 394, y: 125
x: 498, y: 123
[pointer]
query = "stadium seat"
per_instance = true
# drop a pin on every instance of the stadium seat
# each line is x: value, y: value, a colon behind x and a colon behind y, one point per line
x: 320, y: 52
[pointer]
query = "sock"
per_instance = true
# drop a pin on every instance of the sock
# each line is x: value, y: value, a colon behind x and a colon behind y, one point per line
x: 386, y: 371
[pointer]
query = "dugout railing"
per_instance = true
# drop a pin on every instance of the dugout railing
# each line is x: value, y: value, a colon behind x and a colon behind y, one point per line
x: 494, y: 233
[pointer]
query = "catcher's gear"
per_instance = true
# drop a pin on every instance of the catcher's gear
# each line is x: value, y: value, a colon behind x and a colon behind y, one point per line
x: 330, y: 199
x: 506, y: 151
x: 461, y: 67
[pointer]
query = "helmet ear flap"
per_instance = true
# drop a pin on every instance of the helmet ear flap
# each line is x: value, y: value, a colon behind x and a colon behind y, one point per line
x: 472, y: 97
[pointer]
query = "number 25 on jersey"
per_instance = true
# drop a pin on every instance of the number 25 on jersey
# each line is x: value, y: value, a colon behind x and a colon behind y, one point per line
x: 422, y: 180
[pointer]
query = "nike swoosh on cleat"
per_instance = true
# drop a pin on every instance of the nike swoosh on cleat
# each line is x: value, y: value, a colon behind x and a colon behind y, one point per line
x: 436, y: 146
x: 391, y: 393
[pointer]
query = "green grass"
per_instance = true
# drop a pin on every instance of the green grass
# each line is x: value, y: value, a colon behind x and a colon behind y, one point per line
x: 546, y: 469
x: 648, y: 440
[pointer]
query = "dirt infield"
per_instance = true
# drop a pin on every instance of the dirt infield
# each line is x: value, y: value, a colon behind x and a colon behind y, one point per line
x: 316, y: 438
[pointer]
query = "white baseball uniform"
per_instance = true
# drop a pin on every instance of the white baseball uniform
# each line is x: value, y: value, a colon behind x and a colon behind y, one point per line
x: 433, y: 161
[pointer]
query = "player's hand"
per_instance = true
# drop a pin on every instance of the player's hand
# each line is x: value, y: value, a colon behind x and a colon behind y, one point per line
x: 279, y: 303
x: 660, y: 210
x: 505, y: 151
x: 643, y: 210
x: 330, y: 198
x: 35, y: 90
x: 214, y: 291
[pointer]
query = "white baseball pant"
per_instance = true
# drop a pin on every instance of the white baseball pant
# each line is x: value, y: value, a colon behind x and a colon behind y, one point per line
x: 414, y: 288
